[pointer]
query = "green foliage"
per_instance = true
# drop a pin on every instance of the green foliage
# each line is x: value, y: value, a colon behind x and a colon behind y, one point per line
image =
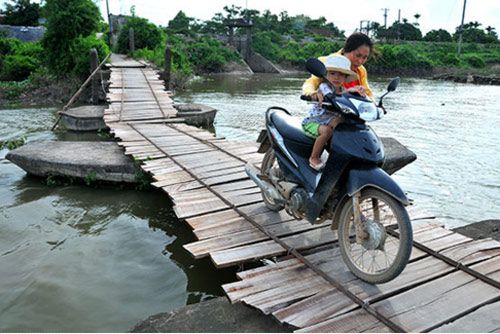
x: 17, y: 67
x: 18, y: 60
x: 10, y: 90
x: 8, y: 45
x: 439, y: 35
x: 13, y: 143
x: 21, y: 13
x: 189, y: 55
x: 67, y: 20
x: 404, y: 31
x: 180, y: 23
x: 208, y: 55
x: 90, y: 178
x: 143, y: 179
x: 146, y: 35
x: 450, y: 59
x: 403, y: 57
x: 474, y: 61
x: 80, y: 50
x: 275, y: 48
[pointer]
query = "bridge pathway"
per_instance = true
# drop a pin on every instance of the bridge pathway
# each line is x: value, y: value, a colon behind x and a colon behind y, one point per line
x: 451, y: 283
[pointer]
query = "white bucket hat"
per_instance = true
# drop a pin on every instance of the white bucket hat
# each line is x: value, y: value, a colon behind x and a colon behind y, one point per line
x: 340, y: 64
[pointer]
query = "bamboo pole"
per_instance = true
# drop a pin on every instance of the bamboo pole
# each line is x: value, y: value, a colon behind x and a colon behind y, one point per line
x: 78, y: 92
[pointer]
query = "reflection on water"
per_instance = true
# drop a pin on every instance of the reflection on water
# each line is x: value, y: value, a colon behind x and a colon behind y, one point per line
x: 452, y: 128
x: 74, y: 258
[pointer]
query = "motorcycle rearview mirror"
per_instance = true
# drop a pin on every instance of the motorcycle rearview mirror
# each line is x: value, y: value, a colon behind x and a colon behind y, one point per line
x: 393, y: 84
x: 390, y: 88
x: 316, y: 67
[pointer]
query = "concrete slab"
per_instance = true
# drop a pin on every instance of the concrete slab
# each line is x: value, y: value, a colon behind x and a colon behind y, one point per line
x: 103, y: 161
x: 212, y: 316
x: 84, y: 118
x: 196, y: 114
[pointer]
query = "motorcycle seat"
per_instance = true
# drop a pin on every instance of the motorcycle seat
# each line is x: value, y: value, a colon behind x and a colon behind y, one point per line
x: 290, y: 127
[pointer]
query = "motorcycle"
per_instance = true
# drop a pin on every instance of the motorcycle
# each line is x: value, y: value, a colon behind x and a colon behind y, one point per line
x: 366, y: 206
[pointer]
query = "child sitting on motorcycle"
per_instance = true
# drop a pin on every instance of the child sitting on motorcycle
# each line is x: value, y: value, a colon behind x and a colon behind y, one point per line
x: 322, y: 121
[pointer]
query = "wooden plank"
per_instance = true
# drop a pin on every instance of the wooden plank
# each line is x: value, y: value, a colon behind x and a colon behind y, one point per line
x: 447, y: 241
x: 283, y: 295
x: 432, y: 234
x: 203, y: 206
x: 228, y: 240
x: 226, y: 178
x: 279, y: 276
x: 174, y: 189
x: 176, y: 178
x: 436, y: 302
x: 314, y: 309
x: 483, y: 320
x: 474, y: 250
x: 238, y: 225
x: 270, y: 267
x: 354, y: 322
x: 213, y: 218
x: 304, y: 240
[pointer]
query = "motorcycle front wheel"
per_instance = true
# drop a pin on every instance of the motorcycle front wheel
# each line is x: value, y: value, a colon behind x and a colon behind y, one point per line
x: 379, y: 250
x: 268, y: 164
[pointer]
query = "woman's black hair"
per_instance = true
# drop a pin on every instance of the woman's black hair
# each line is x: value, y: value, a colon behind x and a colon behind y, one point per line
x: 356, y: 40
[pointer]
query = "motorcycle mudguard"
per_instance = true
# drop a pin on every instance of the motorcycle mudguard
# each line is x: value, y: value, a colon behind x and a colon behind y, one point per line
x: 374, y: 177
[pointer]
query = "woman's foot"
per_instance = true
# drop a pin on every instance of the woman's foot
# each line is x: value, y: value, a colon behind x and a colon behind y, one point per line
x: 316, y: 164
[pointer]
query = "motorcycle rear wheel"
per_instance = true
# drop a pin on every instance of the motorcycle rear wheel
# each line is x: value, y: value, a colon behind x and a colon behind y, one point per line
x: 380, y: 256
x: 269, y: 162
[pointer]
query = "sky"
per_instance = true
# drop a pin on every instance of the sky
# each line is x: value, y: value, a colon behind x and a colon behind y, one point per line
x: 346, y: 15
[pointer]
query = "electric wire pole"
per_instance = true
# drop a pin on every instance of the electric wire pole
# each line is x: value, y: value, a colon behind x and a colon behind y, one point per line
x: 461, y: 30
x: 385, y: 17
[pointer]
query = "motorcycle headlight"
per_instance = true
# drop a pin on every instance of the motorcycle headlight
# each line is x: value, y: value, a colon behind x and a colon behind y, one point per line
x: 367, y: 111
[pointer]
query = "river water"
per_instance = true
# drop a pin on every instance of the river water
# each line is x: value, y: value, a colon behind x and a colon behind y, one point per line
x: 75, y: 258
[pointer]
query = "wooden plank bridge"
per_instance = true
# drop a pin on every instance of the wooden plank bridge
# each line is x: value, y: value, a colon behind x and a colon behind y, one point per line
x: 450, y: 285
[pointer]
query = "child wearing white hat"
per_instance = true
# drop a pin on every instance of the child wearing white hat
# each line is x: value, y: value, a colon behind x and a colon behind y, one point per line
x: 321, y: 122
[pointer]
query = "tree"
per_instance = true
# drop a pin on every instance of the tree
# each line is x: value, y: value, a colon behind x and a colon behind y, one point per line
x: 21, y: 13
x: 440, y: 35
x: 180, y: 23
x: 491, y: 32
x: 146, y: 35
x: 473, y: 34
x: 67, y: 20
x: 416, y: 16
x: 405, y: 31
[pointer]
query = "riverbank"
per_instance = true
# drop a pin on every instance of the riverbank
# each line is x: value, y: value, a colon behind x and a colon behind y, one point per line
x: 49, y: 92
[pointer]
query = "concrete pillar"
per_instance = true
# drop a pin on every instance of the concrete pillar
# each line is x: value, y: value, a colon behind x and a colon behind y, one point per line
x: 168, y: 67
x: 94, y: 63
x: 131, y: 40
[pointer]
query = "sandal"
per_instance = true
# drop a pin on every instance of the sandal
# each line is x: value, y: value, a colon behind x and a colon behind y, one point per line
x: 316, y: 167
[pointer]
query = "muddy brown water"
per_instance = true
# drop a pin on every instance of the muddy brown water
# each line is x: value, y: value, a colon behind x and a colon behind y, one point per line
x: 75, y: 258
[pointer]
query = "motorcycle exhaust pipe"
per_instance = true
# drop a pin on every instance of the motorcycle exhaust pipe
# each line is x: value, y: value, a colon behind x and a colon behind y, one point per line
x: 265, y: 186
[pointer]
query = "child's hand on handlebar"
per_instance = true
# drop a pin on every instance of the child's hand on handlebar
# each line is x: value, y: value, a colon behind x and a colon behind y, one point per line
x: 318, y: 96
x: 358, y: 89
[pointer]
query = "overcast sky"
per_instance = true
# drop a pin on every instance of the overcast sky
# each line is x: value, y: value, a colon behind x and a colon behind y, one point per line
x: 345, y: 14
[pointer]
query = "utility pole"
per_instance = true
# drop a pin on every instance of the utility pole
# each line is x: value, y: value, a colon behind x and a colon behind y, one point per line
x: 399, y: 23
x: 461, y: 30
x: 109, y: 24
x: 385, y: 17
x: 366, y: 28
